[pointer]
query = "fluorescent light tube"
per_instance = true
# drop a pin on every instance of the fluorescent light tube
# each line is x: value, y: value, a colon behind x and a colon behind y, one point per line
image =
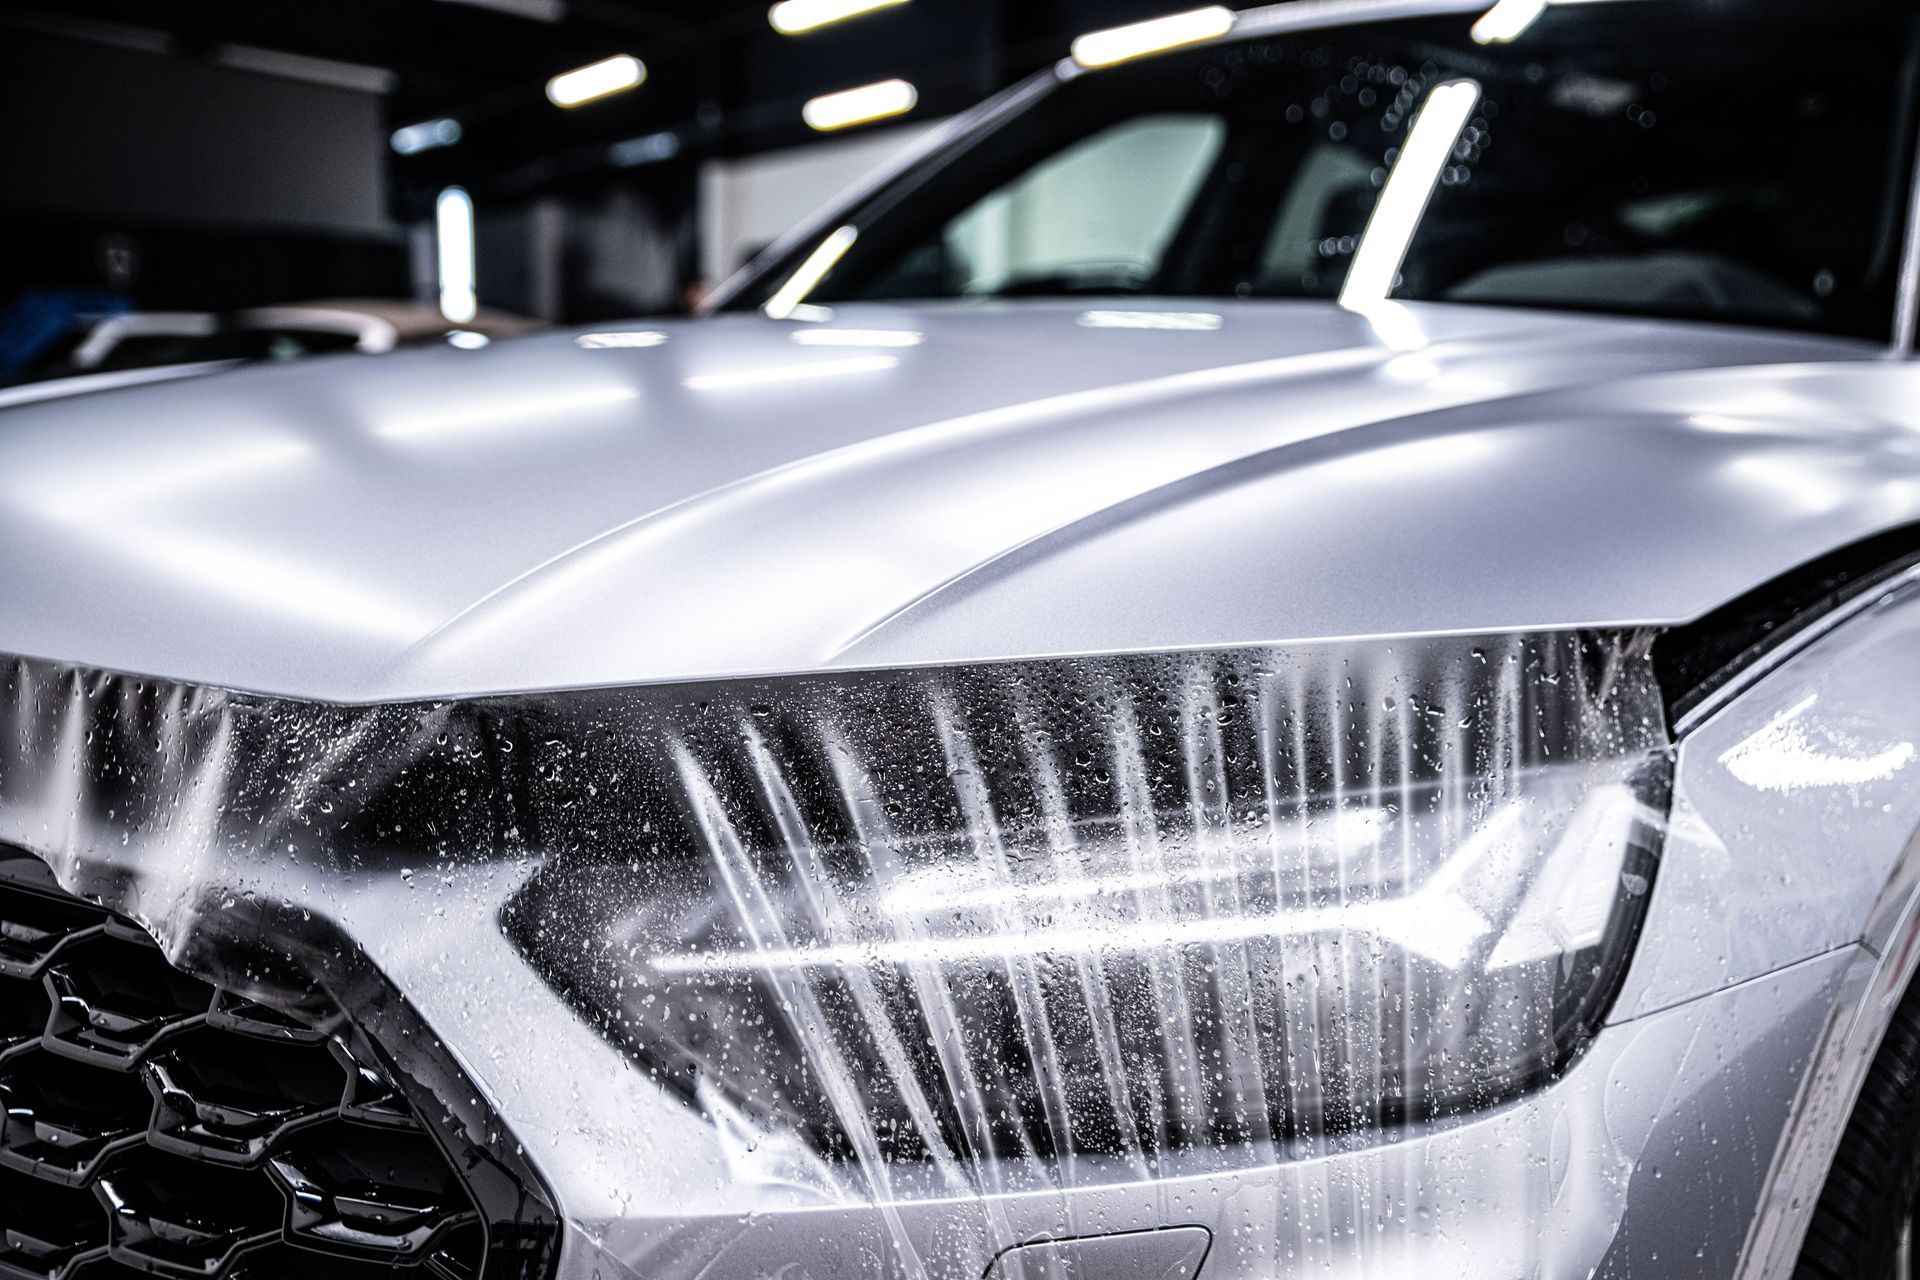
x: 414, y: 138
x: 792, y: 17
x: 857, y: 106
x: 1508, y: 20
x: 596, y: 80
x: 453, y: 223
x: 1139, y: 39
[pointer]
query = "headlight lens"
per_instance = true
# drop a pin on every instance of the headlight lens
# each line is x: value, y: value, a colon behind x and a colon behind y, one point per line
x: 1119, y: 908
x: 1116, y: 907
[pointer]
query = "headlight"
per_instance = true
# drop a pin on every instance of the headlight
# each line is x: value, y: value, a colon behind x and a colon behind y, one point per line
x: 1104, y: 907
x: 1115, y: 908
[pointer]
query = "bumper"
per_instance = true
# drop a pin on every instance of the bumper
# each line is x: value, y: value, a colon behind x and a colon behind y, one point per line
x: 1647, y: 1159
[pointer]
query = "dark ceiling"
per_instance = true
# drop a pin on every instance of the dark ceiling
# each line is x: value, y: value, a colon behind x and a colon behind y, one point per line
x: 719, y: 77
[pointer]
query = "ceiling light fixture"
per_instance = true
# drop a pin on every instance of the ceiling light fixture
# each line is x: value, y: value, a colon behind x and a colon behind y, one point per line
x: 1140, y: 39
x: 850, y: 107
x: 410, y: 140
x: 650, y: 148
x: 531, y: 10
x: 792, y: 17
x: 453, y: 223
x: 596, y: 80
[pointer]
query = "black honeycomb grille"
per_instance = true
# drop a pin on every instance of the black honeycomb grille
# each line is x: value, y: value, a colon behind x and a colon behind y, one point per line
x: 156, y: 1125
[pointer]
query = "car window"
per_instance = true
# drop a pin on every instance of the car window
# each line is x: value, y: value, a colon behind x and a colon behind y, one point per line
x: 1734, y: 160
x: 1096, y: 215
x: 1320, y: 217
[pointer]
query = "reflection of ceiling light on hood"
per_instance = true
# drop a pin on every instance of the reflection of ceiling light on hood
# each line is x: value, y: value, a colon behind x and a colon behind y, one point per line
x: 1185, y: 321
x: 630, y: 339
x: 496, y: 416
x: 1139, y: 39
x: 136, y: 481
x: 869, y: 102
x: 858, y: 337
x: 1397, y: 327
x: 791, y: 17
x: 789, y: 373
x: 596, y: 80
x: 1508, y: 20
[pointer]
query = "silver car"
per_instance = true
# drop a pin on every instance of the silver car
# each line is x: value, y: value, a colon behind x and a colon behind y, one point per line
x: 1292, y: 651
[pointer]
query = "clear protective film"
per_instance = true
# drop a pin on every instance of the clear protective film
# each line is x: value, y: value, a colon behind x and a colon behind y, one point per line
x: 935, y: 947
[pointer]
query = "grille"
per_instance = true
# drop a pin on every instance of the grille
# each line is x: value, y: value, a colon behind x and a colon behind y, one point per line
x: 156, y: 1125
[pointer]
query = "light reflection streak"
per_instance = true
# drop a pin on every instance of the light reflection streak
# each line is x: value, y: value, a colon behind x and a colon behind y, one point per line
x: 146, y: 479
x: 943, y: 889
x: 775, y: 374
x: 515, y: 414
x: 1439, y: 921
x: 795, y: 17
x: 808, y: 275
x: 858, y: 337
x: 1184, y: 321
x: 1441, y: 927
x: 1785, y: 481
x: 1156, y: 35
x: 1722, y: 422
x: 633, y: 339
x: 1507, y: 21
x: 1567, y: 909
x: 1782, y: 755
x: 1423, y: 158
x: 118, y: 513
x: 291, y: 586
x: 1395, y: 325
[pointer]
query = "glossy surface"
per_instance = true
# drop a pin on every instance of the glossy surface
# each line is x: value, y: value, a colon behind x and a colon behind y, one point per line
x: 955, y: 485
x: 739, y: 495
x: 239, y: 842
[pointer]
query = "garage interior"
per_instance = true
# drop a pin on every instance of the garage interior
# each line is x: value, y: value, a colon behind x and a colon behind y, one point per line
x: 211, y: 155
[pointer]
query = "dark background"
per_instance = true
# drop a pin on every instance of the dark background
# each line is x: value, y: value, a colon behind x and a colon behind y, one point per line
x: 213, y: 154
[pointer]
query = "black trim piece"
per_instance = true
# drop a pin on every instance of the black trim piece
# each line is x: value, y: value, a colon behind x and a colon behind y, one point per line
x: 1695, y: 661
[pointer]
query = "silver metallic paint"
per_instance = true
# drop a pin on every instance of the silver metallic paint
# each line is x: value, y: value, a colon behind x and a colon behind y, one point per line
x: 536, y: 515
x: 1290, y: 476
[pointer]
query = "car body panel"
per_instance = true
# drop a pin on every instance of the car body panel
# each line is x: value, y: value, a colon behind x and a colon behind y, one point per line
x: 731, y: 497
x: 1701, y: 1075
x: 1824, y: 743
x: 742, y: 498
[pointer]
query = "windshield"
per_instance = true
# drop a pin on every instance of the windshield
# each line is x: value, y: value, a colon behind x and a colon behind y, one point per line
x: 1731, y: 160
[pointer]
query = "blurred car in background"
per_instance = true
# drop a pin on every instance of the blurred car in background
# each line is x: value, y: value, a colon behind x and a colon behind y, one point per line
x: 129, y: 347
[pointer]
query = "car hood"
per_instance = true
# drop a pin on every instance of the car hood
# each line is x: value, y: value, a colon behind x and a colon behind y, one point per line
x: 953, y: 484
